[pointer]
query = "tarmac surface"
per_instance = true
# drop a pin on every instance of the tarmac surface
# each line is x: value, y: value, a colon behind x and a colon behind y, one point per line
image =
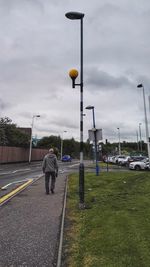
x: 30, y: 225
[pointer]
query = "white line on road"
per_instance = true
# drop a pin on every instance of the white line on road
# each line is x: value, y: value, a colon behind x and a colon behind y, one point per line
x: 16, y: 182
x: 73, y: 165
x: 20, y: 170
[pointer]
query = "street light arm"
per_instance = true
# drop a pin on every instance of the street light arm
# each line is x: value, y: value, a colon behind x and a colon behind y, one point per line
x: 74, y: 15
x: 140, y: 85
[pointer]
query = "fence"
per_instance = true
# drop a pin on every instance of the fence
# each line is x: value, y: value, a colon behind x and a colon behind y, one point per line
x: 20, y: 154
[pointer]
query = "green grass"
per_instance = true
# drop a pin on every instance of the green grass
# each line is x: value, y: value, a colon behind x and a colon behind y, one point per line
x: 104, y: 165
x: 115, y: 230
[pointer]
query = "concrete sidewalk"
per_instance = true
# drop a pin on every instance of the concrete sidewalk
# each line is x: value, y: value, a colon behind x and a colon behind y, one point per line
x: 30, y: 225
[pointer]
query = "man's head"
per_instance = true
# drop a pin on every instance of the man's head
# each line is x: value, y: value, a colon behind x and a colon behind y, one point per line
x: 51, y: 150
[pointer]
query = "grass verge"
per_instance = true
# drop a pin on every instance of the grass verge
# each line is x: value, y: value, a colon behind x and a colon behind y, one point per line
x: 115, y: 230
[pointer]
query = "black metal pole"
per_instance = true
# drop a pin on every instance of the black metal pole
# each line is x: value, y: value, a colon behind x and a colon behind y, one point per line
x: 81, y: 166
x: 140, y: 137
x: 95, y: 139
x: 74, y: 16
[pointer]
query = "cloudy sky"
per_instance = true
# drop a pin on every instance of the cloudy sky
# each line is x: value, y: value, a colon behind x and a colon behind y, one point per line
x: 38, y: 47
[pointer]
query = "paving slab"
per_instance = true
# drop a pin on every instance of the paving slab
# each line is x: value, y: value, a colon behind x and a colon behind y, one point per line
x: 30, y: 225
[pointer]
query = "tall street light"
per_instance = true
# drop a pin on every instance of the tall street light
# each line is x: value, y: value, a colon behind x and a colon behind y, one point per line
x: 146, y: 122
x: 95, y: 138
x: 61, y: 150
x: 73, y: 74
x: 149, y: 102
x: 30, y: 149
x: 140, y: 136
x: 119, y: 146
x: 137, y: 136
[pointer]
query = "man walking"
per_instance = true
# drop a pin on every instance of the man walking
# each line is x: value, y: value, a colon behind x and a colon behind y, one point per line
x: 50, y: 168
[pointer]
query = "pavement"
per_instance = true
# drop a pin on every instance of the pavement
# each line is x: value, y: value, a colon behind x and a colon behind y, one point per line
x: 30, y: 226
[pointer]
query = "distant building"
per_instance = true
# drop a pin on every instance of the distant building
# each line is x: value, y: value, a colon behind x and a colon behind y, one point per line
x: 25, y: 130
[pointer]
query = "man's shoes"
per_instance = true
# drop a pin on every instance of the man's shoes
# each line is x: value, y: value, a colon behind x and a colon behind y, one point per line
x: 47, y: 193
x: 52, y: 191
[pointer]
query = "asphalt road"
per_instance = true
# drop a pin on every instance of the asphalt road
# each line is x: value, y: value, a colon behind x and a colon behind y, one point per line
x: 13, y: 175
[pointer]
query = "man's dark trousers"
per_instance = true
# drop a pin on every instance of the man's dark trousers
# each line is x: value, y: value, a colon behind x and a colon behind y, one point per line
x: 47, y: 178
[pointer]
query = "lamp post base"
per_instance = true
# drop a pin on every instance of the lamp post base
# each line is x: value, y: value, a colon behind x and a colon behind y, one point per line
x: 81, y: 183
x: 97, y: 169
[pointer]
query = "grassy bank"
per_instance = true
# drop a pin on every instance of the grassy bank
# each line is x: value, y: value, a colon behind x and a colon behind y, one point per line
x: 115, y: 230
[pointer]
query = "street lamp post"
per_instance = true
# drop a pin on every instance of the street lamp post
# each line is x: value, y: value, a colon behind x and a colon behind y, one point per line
x: 61, y: 150
x: 137, y: 136
x: 95, y: 137
x: 140, y: 136
x: 149, y: 102
x: 79, y: 16
x: 119, y: 146
x: 30, y: 149
x: 146, y: 122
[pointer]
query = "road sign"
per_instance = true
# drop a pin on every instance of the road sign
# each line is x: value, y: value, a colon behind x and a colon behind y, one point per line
x: 92, y: 134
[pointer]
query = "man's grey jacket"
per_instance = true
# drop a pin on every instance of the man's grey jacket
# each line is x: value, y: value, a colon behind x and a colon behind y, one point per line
x: 50, y: 163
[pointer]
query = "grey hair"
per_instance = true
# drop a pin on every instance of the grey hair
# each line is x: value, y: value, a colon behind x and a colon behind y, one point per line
x: 51, y: 150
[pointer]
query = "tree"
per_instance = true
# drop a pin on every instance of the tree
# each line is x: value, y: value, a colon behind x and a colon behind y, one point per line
x: 50, y: 141
x: 70, y: 146
x: 10, y: 135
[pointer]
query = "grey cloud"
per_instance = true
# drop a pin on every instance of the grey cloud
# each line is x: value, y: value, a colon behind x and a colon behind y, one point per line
x: 126, y: 133
x: 10, y: 5
x: 27, y: 114
x: 108, y: 10
x: 39, y: 45
x: 117, y: 40
x: 101, y: 79
x: 65, y: 122
x: 4, y: 105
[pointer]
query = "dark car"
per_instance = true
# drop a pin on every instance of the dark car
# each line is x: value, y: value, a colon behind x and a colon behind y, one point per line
x: 66, y: 158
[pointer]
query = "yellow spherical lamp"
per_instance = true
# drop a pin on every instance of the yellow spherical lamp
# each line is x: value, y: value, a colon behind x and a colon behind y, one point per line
x: 73, y: 75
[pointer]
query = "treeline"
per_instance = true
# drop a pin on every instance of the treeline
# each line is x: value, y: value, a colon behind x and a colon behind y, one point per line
x: 11, y: 135
x: 70, y: 146
x: 131, y: 148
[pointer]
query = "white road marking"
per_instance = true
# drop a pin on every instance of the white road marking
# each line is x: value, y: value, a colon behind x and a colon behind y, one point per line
x: 19, y: 170
x: 16, y: 182
x: 73, y: 165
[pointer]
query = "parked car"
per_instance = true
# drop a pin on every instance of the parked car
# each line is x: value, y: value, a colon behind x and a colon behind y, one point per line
x: 136, y: 158
x: 121, y: 159
x: 124, y: 161
x: 109, y: 159
x: 112, y: 159
x: 139, y: 165
x: 66, y: 158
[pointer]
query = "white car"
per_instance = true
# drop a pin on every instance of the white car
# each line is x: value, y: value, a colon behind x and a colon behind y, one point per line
x: 112, y: 159
x: 109, y: 159
x: 124, y: 160
x: 139, y: 165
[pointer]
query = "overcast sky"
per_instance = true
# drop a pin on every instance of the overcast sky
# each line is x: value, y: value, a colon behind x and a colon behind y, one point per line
x: 38, y: 47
